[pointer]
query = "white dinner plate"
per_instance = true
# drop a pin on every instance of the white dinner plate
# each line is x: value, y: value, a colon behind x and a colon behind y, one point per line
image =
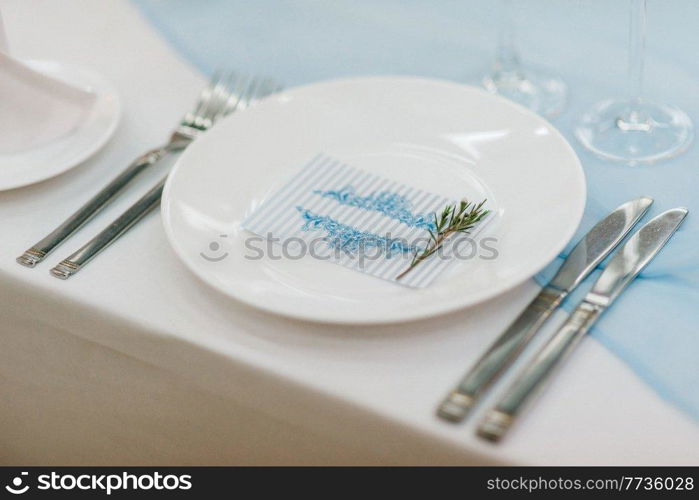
x: 439, y: 136
x: 35, y: 165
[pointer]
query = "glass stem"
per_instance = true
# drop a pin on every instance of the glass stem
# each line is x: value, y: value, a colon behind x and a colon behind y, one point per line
x: 507, y: 64
x: 634, y: 118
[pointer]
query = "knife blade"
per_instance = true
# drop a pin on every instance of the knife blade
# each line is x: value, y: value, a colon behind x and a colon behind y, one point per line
x: 586, y: 255
x: 635, y: 255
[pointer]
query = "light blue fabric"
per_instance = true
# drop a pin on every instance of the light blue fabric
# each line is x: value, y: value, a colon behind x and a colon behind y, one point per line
x: 654, y: 327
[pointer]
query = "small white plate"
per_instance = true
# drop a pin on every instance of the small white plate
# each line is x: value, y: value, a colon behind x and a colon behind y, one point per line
x: 442, y: 137
x: 35, y: 165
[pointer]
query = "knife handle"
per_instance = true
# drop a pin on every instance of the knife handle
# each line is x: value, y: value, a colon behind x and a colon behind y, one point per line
x: 532, y: 380
x: 500, y: 355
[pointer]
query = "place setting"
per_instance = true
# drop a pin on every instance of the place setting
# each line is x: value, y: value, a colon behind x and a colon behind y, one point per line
x: 360, y: 201
x: 382, y: 223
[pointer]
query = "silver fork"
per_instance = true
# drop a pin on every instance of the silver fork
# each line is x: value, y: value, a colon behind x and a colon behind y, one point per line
x: 211, y: 100
x: 229, y: 99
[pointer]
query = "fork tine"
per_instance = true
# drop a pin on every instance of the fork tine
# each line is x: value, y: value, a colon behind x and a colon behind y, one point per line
x: 249, y: 94
x: 205, y: 97
x: 229, y: 92
x: 237, y: 94
x: 255, y: 89
x: 262, y: 90
x: 251, y: 91
x: 218, y: 95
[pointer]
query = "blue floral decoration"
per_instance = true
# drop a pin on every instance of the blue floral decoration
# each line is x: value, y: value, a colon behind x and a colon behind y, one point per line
x: 390, y: 204
x: 351, y: 239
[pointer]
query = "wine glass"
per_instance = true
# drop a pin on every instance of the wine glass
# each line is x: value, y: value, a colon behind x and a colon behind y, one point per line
x: 635, y: 130
x: 541, y: 92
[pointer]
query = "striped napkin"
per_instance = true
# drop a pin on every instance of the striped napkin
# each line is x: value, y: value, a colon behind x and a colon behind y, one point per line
x: 333, y: 211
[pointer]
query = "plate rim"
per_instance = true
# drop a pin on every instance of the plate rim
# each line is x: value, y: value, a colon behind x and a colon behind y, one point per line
x: 106, y: 88
x: 443, y: 308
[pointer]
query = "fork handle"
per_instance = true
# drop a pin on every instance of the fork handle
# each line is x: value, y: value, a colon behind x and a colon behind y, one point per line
x: 71, y: 265
x: 41, y: 249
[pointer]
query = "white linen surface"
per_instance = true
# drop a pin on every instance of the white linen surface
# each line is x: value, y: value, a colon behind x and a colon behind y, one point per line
x: 134, y: 361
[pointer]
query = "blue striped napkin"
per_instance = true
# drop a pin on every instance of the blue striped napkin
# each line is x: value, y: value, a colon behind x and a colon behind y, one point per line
x: 333, y: 211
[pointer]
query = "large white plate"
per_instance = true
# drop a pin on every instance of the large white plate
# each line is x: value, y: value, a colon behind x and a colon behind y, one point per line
x: 439, y: 136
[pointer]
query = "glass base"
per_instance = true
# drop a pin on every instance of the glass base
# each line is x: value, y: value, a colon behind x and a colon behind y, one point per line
x: 635, y: 132
x: 542, y: 93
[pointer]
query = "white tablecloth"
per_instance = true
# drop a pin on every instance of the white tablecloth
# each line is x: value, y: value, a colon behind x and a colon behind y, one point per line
x: 134, y: 361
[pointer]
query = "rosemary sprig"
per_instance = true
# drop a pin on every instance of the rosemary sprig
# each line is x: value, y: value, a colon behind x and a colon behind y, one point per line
x: 454, y: 219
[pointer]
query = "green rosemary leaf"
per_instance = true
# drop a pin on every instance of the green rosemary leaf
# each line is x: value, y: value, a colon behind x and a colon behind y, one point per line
x: 453, y: 219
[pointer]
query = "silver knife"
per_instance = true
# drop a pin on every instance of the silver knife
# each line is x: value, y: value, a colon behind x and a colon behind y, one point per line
x: 622, y: 269
x: 586, y: 255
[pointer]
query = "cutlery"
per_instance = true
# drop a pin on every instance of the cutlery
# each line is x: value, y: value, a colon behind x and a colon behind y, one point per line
x: 227, y: 98
x: 191, y: 125
x: 633, y: 257
x: 586, y: 255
